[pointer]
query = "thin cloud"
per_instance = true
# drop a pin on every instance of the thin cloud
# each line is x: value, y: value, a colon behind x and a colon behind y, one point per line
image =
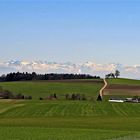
x: 53, y: 67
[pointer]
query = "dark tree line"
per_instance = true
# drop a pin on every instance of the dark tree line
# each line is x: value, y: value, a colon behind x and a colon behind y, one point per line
x: 52, y: 76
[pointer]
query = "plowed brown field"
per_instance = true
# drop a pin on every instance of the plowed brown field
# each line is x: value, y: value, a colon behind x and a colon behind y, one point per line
x: 116, y: 89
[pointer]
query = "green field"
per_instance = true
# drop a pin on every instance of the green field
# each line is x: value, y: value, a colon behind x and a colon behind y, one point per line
x: 66, y: 120
x: 123, y: 81
x: 43, y: 89
x: 122, y: 88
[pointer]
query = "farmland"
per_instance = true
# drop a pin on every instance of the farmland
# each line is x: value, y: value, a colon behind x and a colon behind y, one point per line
x: 66, y: 120
x: 42, y: 88
x: 123, y: 87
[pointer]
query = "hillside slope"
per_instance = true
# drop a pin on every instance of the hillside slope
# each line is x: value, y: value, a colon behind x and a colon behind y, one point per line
x: 125, y: 87
x: 66, y: 119
x: 61, y: 87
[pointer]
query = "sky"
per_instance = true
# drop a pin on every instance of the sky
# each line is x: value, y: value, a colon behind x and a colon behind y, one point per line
x: 103, y: 31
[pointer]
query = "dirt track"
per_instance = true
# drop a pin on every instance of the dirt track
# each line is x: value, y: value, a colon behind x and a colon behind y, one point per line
x: 103, y: 88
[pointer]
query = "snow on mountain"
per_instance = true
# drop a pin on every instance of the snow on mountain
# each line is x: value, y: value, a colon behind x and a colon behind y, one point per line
x: 53, y: 67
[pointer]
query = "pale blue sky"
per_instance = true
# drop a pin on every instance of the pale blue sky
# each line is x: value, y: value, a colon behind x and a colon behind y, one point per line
x: 103, y: 31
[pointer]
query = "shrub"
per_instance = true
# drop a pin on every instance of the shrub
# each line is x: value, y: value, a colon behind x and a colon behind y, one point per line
x: 19, y: 96
x: 67, y: 96
x: 28, y: 97
x: 6, y: 94
x: 84, y: 97
x: 73, y: 96
x: 40, y: 98
x: 54, y: 96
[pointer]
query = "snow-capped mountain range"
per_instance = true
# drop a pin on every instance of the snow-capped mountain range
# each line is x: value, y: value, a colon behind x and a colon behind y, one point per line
x: 53, y: 67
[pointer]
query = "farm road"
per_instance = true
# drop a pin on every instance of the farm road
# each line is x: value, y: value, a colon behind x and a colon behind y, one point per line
x: 105, y: 85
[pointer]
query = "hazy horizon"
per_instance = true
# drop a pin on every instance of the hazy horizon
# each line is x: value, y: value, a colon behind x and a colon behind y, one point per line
x: 89, y: 67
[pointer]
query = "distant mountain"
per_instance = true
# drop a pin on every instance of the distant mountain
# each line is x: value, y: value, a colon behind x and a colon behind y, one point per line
x: 54, y: 67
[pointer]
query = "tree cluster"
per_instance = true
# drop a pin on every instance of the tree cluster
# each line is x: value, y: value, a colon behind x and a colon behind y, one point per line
x: 67, y: 97
x: 113, y: 75
x: 50, y: 97
x: 75, y: 97
x: 6, y: 94
x: 52, y: 76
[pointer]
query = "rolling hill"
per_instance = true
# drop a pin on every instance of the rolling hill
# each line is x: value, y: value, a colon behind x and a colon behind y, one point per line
x: 123, y: 87
x: 67, y: 120
x: 61, y: 87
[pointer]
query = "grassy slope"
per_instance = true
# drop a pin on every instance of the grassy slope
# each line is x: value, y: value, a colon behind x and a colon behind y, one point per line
x: 43, y: 89
x: 66, y: 120
x: 124, y: 92
x: 122, y: 81
x: 43, y: 133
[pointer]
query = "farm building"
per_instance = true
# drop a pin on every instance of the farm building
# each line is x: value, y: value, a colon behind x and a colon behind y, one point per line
x: 116, y: 100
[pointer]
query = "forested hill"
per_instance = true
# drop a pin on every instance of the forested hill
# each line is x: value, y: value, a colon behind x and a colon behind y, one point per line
x: 52, y: 76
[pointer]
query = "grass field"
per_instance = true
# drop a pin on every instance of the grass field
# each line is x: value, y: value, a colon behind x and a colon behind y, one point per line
x: 66, y: 120
x: 123, y: 87
x: 122, y: 81
x: 42, y: 88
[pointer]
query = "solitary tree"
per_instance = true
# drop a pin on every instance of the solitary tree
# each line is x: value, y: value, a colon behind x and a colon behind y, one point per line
x: 117, y: 73
x: 99, y: 98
